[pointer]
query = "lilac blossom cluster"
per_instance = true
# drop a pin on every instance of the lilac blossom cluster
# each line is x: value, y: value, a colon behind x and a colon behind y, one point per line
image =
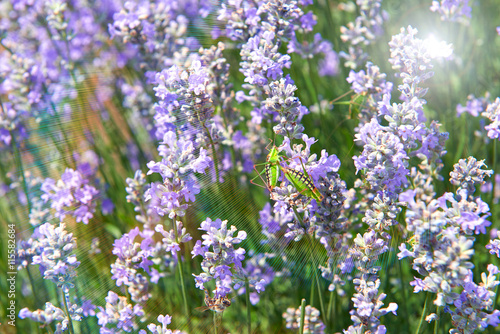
x: 51, y: 248
x: 277, y: 22
x: 219, y: 254
x: 371, y: 85
x: 136, y: 189
x: 479, y: 298
x: 387, y: 150
x: 312, y: 321
x: 442, y: 246
x: 179, y: 185
x: 492, y: 113
x: 258, y: 273
x: 72, y: 194
x: 368, y: 308
x: 157, y: 29
x: 453, y: 10
x: 132, y: 259
x: 265, y: 28
x: 54, y: 247
x: 118, y: 315
x: 45, y: 45
x: 52, y: 314
x: 363, y: 31
x: 164, y: 320
x: 485, y: 107
x: 183, y: 99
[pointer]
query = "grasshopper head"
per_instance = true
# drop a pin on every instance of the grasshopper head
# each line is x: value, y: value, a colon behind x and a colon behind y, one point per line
x: 273, y: 155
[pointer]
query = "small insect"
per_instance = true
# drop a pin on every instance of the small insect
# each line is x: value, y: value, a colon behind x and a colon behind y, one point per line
x: 214, y: 304
x: 301, y: 181
x: 271, y: 169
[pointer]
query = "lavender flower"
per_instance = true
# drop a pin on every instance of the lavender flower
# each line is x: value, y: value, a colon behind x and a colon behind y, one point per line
x: 54, y: 247
x: 474, y: 106
x: 468, y: 174
x: 12, y: 124
x: 136, y: 190
x: 368, y: 308
x: 387, y: 149
x: 371, y: 83
x: 274, y: 226
x: 132, y: 259
x: 312, y: 322
x: 71, y: 194
x: 118, y: 316
x: 171, y: 240
x: 157, y: 29
x: 183, y: 97
x: 494, y: 245
x: 493, y: 114
x: 261, y: 61
x: 161, y: 329
x: 468, y: 314
x: 412, y: 57
x: 52, y: 314
x: 219, y: 254
x: 282, y: 101
x: 445, y: 230
x: 363, y: 31
x: 384, y: 159
x: 453, y: 10
x: 258, y: 273
x: 179, y: 185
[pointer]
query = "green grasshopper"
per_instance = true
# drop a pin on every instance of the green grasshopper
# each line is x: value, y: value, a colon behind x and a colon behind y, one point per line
x: 302, y: 182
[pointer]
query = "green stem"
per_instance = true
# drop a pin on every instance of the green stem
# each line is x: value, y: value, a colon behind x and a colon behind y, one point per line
x: 214, y: 154
x: 424, y: 312
x: 247, y: 295
x: 311, y: 297
x: 127, y: 294
x: 30, y: 277
x: 330, y: 307
x: 183, y: 287
x: 70, y: 326
x: 310, y: 85
x: 494, y: 155
x: 216, y: 328
x: 436, y: 322
x: 19, y: 161
x: 315, y: 268
x: 302, y: 316
x: 320, y: 294
x: 181, y: 274
x: 405, y: 309
x: 496, y: 297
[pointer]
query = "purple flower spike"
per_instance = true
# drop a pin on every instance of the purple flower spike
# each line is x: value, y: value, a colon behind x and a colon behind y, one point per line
x: 70, y: 195
x: 220, y: 258
x: 118, y: 315
x: 56, y: 262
